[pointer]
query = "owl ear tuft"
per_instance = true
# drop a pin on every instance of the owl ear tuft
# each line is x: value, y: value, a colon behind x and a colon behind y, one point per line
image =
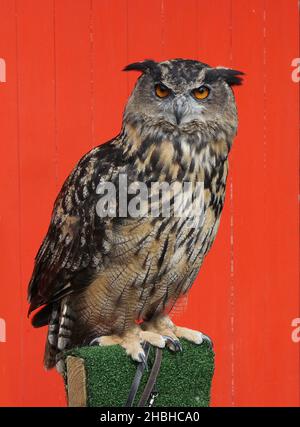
x: 231, y: 77
x: 143, y: 66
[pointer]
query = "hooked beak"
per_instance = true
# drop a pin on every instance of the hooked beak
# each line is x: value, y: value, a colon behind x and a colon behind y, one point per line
x: 179, y: 108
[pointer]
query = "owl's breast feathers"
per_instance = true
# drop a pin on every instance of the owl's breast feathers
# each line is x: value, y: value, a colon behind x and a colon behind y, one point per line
x: 82, y: 250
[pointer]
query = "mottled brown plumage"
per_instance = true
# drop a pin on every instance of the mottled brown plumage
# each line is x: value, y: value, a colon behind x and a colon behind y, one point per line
x: 97, y: 276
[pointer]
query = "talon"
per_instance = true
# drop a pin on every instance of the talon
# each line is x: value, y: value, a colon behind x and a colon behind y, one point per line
x: 169, y: 340
x: 173, y: 344
x: 207, y: 339
x: 178, y: 346
x: 95, y: 341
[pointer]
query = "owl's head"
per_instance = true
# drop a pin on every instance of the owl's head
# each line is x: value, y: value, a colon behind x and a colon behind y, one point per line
x: 183, y: 93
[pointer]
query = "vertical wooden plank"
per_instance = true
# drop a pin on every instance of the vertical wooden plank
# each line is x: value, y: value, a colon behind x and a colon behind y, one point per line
x: 144, y: 24
x: 264, y: 201
x: 63, y: 87
x: 76, y: 382
x: 74, y: 84
x: 38, y: 176
x: 180, y: 26
x: 282, y: 232
x: 109, y: 32
x: 10, y: 302
x: 214, y: 31
x: 248, y: 189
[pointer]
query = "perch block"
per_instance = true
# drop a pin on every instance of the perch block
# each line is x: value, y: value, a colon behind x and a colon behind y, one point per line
x: 102, y: 376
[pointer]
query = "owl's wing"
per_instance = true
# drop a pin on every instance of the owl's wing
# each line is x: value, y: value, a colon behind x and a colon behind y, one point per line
x: 72, y: 250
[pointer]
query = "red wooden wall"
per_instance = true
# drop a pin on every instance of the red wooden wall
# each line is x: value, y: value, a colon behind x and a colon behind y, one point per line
x: 65, y: 92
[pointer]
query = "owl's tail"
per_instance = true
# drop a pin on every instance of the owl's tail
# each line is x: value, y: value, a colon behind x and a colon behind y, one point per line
x: 51, y: 349
x: 48, y: 315
x: 59, y: 333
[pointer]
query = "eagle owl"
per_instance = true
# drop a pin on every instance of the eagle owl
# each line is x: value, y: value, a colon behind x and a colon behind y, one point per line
x: 114, y: 279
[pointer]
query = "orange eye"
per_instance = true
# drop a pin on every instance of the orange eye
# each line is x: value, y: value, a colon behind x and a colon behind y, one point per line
x: 201, y: 93
x: 162, y: 91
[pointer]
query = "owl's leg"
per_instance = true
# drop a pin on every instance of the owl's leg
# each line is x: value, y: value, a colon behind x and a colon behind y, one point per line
x: 130, y: 340
x: 164, y: 327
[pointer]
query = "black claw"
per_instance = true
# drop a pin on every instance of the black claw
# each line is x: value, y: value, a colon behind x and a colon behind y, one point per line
x: 173, y: 344
x: 178, y: 346
x: 169, y: 340
x: 208, y: 340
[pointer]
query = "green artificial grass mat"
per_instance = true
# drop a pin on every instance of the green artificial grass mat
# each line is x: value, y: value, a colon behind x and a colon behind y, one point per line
x: 184, y: 379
